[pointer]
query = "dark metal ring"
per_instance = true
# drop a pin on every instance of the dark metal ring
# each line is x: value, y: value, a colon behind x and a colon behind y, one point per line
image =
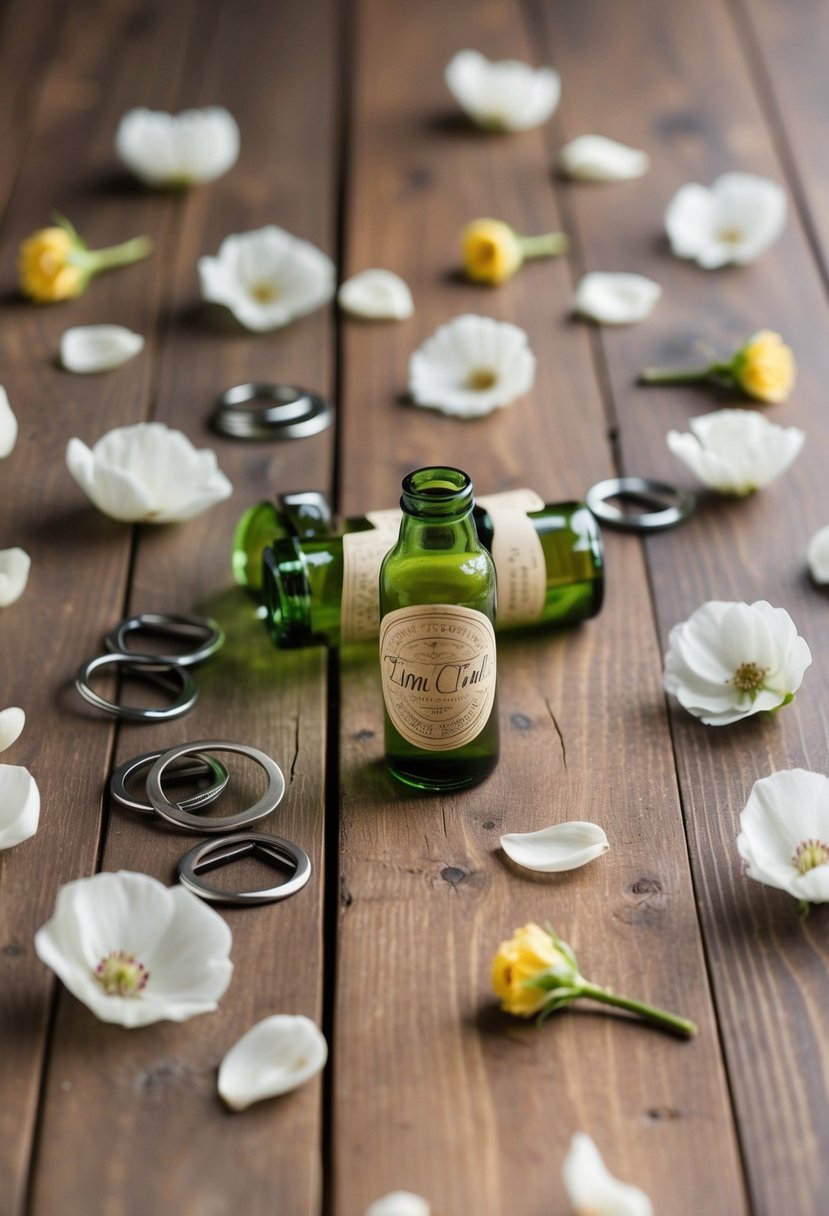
x: 209, y: 854
x: 148, y: 668
x: 646, y: 492
x: 203, y: 631
x: 182, y: 819
x: 208, y: 767
x: 270, y: 411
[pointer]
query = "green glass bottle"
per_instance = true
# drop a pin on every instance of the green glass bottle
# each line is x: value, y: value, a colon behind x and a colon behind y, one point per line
x: 437, y: 638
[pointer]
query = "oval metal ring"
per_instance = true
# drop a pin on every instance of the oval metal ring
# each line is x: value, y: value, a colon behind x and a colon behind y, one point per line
x: 147, y: 668
x: 210, y: 854
x: 204, y: 633
x: 207, y: 767
x: 183, y: 819
x: 270, y: 411
x: 648, y: 493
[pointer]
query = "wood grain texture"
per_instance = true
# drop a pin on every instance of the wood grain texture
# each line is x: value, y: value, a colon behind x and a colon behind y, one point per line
x: 697, y: 112
x: 435, y: 1090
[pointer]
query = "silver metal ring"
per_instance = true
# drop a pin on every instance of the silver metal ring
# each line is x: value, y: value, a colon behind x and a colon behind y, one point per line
x: 208, y: 767
x: 147, y: 668
x: 202, y: 631
x: 209, y: 854
x: 648, y: 493
x: 260, y: 410
x: 175, y: 814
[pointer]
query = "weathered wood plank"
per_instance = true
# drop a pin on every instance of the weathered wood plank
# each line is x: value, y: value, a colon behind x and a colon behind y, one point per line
x: 435, y: 1090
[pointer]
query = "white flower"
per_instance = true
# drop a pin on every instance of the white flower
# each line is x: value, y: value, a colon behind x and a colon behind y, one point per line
x: 135, y: 951
x: 594, y: 158
x: 564, y: 846
x: 817, y: 556
x: 12, y: 721
x: 503, y: 96
x: 785, y: 833
x: 276, y: 1055
x: 471, y: 366
x: 736, y: 451
x: 267, y: 277
x: 8, y: 425
x: 98, y: 348
x: 731, y: 660
x: 399, y: 1203
x: 178, y: 149
x: 14, y: 575
x: 616, y: 299
x: 592, y: 1189
x: 379, y: 295
x: 147, y: 473
x: 734, y: 221
x: 19, y: 805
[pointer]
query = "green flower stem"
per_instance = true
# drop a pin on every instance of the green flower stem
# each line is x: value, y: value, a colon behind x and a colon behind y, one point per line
x: 670, y: 1021
x: 687, y: 375
x: 549, y: 245
x: 124, y: 254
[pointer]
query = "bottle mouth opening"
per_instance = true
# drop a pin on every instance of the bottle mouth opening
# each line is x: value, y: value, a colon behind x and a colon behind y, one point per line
x: 441, y: 486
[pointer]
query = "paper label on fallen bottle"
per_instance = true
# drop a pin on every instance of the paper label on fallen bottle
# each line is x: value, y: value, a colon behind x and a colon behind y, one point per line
x: 518, y: 557
x: 363, y: 554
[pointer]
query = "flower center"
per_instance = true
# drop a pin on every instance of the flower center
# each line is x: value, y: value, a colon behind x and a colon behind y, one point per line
x: 749, y: 677
x: 482, y: 378
x: 809, y: 854
x: 121, y: 974
x: 263, y: 292
x: 730, y: 236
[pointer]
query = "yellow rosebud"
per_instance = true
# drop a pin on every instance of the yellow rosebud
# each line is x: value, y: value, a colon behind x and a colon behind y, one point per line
x: 528, y: 952
x: 45, y: 273
x: 765, y: 367
x: 493, y: 252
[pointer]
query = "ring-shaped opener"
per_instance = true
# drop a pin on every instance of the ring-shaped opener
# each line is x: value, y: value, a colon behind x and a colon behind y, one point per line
x: 210, y: 854
x: 262, y: 410
x: 146, y: 667
x: 202, y: 632
x: 648, y: 493
x: 175, y: 814
x: 207, y: 767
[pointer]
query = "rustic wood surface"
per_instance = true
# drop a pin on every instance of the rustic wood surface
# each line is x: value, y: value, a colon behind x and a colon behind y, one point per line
x: 351, y: 140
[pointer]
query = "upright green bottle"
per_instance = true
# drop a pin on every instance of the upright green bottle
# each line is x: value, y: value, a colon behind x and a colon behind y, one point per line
x: 437, y: 638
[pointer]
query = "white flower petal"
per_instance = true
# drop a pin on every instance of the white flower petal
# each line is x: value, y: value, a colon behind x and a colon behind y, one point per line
x: 376, y: 294
x: 564, y: 846
x: 267, y: 277
x: 594, y: 158
x: 14, y: 575
x: 505, y: 95
x: 147, y: 473
x: 616, y: 299
x: 19, y: 805
x: 735, y: 221
x: 736, y: 451
x: 591, y: 1188
x: 98, y: 348
x: 471, y: 366
x: 178, y: 149
x: 8, y: 425
x: 399, y: 1203
x: 12, y: 721
x: 817, y: 556
x: 276, y: 1055
x: 785, y: 826
x: 180, y: 943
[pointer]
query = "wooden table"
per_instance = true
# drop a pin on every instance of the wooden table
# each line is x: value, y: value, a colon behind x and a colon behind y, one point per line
x: 351, y: 140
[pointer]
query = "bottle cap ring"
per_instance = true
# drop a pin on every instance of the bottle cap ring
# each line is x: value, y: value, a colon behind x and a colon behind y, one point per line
x: 209, y: 854
x: 181, y: 818
x: 262, y: 410
x: 204, y: 634
x: 668, y: 506
x: 194, y: 771
x: 170, y: 676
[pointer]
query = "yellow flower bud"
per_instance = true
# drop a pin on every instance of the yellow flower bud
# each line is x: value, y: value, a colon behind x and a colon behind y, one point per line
x: 528, y: 952
x: 491, y: 251
x: 765, y: 367
x: 45, y: 272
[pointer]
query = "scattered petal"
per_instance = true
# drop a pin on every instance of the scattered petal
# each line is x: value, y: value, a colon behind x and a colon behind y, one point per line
x: 736, y: 451
x: 8, y: 425
x: 14, y: 575
x: 616, y: 299
x: 178, y: 149
x: 594, y: 158
x: 818, y: 556
x: 735, y: 221
x: 784, y: 833
x: 564, y: 846
x: 379, y: 295
x: 12, y: 721
x: 276, y: 1055
x: 147, y: 473
x: 399, y: 1203
x: 471, y: 366
x: 502, y: 96
x: 267, y: 277
x: 135, y: 951
x: 98, y: 348
x: 19, y: 805
x: 592, y: 1189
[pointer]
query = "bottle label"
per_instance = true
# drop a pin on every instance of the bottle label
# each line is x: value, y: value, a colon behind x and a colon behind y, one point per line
x: 519, y: 560
x: 437, y: 664
x: 363, y: 554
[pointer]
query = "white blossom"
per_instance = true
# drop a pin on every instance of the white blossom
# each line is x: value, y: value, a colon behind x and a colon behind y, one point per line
x: 399, y: 1203
x: 736, y: 451
x: 377, y: 295
x: 784, y: 833
x: 505, y: 95
x: 19, y: 805
x: 817, y: 556
x: 594, y: 158
x: 735, y: 220
x: 593, y: 1190
x: 617, y: 298
x: 471, y: 366
x: 178, y: 149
